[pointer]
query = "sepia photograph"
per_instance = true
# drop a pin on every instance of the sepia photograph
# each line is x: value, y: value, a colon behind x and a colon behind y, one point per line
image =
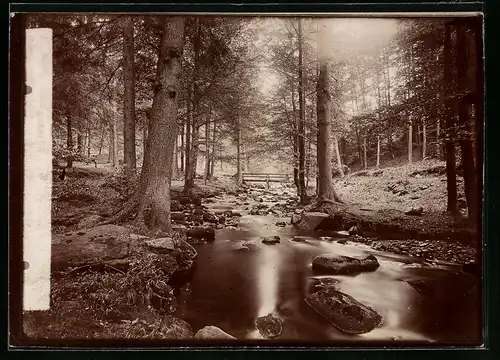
x: 252, y: 179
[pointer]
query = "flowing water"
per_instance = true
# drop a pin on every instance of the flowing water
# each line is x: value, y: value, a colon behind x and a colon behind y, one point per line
x: 230, y: 289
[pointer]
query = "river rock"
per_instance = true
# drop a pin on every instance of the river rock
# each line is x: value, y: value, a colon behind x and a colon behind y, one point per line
x: 89, y: 221
x: 173, y: 328
x: 416, y: 211
x: 161, y: 245
x: 281, y: 224
x: 98, y: 245
x: 201, y: 233
x: 208, y: 217
x: 295, y: 219
x: 343, y: 311
x: 269, y: 326
x: 318, y: 221
x: 299, y: 239
x: 271, y: 240
x: 213, y: 333
x: 339, y: 264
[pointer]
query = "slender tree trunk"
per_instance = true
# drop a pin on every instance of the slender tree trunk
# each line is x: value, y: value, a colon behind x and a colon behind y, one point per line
x: 101, y: 142
x: 302, y: 131
x: 189, y: 120
x: 79, y: 137
x: 239, y: 174
x: 378, y: 152
x: 424, y: 141
x: 183, y: 149
x: 325, y: 188
x: 365, y: 160
x: 451, y: 172
x: 438, y: 138
x: 88, y: 140
x: 129, y: 155
x: 466, y: 143
x: 410, y: 142
x: 69, y: 142
x: 295, y: 145
x: 193, y: 158
x: 212, y: 153
x: 479, y: 118
x: 207, y: 147
x: 114, y: 143
x: 175, y: 164
x: 339, y: 160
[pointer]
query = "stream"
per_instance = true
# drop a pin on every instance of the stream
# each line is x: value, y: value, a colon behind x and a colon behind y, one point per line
x: 230, y: 289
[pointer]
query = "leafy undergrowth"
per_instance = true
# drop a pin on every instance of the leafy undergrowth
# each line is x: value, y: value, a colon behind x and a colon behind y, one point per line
x: 111, y: 304
x: 399, y: 188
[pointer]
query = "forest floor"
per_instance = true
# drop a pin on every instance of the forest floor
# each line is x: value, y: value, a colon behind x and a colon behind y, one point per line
x: 87, y: 193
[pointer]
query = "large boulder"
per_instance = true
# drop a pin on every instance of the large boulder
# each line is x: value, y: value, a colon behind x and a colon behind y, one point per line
x: 318, y: 221
x: 269, y: 326
x: 343, y: 311
x: 340, y: 264
x: 161, y: 245
x: 99, y: 245
x: 271, y: 240
x: 213, y: 333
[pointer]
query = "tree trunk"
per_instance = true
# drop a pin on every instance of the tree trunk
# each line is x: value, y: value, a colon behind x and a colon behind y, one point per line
x: 466, y: 145
x: 88, y: 140
x: 438, y: 140
x: 182, y: 148
x: 424, y: 141
x: 326, y: 192
x: 212, y: 153
x: 129, y: 156
x: 207, y: 148
x: 79, y: 137
x: 378, y: 152
x: 239, y: 174
x: 144, y: 142
x: 193, y: 158
x: 295, y: 145
x: 69, y: 142
x: 339, y: 160
x: 175, y: 164
x: 451, y: 172
x: 114, y: 142
x: 365, y: 160
x: 189, y: 120
x: 152, y: 198
x: 302, y: 184
x: 101, y: 142
x: 410, y: 142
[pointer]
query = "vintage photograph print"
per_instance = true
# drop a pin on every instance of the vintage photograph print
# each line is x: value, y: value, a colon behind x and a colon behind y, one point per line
x: 251, y: 179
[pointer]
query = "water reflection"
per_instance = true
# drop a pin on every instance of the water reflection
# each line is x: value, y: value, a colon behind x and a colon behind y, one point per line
x: 267, y: 280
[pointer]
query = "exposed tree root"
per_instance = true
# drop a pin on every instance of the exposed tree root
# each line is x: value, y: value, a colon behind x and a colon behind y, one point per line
x: 336, y: 201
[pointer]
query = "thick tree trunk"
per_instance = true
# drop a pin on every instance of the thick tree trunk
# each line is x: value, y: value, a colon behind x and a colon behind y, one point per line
x: 144, y: 142
x: 212, y: 153
x: 302, y: 184
x: 69, y: 142
x: 451, y: 172
x: 326, y: 192
x: 152, y: 198
x: 339, y: 159
x: 129, y: 155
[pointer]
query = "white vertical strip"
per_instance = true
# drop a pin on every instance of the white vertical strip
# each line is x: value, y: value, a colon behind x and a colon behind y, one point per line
x: 37, y: 170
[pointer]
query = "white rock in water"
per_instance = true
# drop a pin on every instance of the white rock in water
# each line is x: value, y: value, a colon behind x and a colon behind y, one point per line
x: 212, y: 332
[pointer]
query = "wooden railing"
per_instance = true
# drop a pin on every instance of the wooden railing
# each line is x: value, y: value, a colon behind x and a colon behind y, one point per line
x: 266, y: 177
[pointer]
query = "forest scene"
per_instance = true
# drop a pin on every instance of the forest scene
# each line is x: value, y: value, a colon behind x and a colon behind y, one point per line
x: 240, y: 178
